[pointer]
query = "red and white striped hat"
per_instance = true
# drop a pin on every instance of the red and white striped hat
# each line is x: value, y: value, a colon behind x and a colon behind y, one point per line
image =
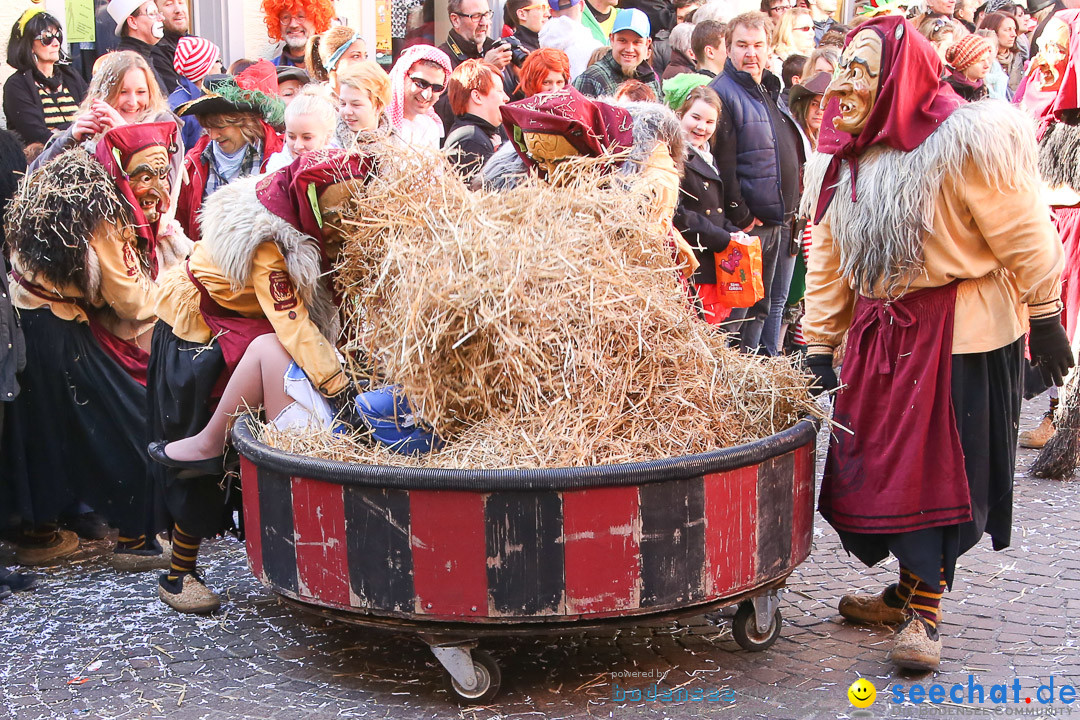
x: 194, y: 57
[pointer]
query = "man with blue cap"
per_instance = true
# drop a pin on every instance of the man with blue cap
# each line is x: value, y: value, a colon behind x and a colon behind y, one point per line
x: 628, y: 59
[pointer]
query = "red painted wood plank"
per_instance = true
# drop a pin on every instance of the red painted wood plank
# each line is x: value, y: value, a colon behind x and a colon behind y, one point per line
x: 730, y: 531
x: 802, y: 529
x: 322, y: 562
x: 249, y: 482
x: 449, y: 553
x: 601, y: 536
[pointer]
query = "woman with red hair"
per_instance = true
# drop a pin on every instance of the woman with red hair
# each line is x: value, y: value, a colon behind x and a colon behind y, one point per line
x: 294, y: 22
x: 545, y: 70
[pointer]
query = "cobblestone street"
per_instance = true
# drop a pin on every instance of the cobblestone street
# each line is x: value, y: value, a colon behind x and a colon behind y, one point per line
x: 94, y: 644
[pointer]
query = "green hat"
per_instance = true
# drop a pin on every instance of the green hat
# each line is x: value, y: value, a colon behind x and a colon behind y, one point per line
x: 254, y: 90
x: 677, y: 88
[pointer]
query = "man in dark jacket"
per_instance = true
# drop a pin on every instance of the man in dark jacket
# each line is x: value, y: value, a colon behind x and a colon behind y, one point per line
x: 140, y: 28
x: 476, y: 94
x: 174, y: 17
x: 527, y: 17
x: 760, y: 140
x: 468, y: 39
x: 628, y: 59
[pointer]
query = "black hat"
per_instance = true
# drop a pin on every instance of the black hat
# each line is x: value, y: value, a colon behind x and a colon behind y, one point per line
x: 815, y: 85
x: 1034, y: 6
x: 288, y: 72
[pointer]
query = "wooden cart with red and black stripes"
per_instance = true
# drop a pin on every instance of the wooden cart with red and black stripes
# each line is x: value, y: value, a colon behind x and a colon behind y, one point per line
x: 456, y: 555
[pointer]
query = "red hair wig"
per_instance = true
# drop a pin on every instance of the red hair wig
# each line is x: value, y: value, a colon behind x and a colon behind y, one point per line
x: 536, y: 67
x: 320, y: 12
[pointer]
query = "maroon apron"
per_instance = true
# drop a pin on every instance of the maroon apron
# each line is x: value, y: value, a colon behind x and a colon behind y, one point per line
x: 233, y: 331
x: 132, y: 358
x: 901, y: 468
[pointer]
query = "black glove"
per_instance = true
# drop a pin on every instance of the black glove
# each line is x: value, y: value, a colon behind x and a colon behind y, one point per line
x: 343, y: 405
x: 824, y: 375
x: 1049, y: 349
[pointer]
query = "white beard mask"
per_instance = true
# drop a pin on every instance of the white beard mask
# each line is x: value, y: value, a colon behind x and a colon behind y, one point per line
x: 158, y: 30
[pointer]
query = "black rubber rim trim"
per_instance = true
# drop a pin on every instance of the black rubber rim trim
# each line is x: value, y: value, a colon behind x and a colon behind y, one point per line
x: 409, y: 478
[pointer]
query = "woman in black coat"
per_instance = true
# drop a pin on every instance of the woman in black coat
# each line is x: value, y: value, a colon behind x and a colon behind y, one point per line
x: 700, y: 213
x: 44, y: 95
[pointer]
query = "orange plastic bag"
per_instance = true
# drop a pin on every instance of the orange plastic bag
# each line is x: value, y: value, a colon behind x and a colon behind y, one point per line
x: 738, y: 272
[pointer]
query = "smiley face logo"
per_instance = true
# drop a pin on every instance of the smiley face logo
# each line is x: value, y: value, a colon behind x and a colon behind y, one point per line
x: 862, y: 693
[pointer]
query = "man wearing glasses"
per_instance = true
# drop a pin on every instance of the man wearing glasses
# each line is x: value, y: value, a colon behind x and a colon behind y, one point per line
x: 822, y: 13
x: 293, y: 23
x: 140, y: 27
x: 528, y: 17
x: 775, y: 9
x: 469, y: 39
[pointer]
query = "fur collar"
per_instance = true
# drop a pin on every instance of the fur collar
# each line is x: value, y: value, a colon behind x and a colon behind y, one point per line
x: 234, y: 223
x: 1059, y: 156
x: 897, y: 192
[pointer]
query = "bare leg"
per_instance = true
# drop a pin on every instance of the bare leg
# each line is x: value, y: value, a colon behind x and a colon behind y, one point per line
x: 257, y: 380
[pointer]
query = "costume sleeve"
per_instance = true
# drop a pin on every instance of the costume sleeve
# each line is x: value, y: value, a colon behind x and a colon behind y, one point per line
x: 829, y: 298
x: 662, y: 179
x: 293, y: 326
x: 125, y: 286
x: 1016, y: 225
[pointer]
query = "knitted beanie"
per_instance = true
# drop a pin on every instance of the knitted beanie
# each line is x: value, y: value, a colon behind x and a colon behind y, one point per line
x: 194, y: 57
x: 966, y: 51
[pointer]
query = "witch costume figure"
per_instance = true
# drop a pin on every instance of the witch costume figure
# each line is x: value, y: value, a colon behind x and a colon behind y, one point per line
x: 1049, y: 94
x: 931, y: 252
x: 263, y: 267
x: 643, y: 138
x: 88, y: 236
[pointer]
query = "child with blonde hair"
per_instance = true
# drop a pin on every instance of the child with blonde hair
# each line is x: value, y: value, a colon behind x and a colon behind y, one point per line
x: 310, y: 121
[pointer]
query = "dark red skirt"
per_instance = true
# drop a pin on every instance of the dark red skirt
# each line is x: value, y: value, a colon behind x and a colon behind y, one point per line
x: 898, y: 466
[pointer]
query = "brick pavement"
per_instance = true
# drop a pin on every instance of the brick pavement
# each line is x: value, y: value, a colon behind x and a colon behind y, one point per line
x: 1010, y: 617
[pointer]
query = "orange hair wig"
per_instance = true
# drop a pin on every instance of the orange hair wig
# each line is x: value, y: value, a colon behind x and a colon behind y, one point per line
x: 536, y: 67
x: 320, y: 12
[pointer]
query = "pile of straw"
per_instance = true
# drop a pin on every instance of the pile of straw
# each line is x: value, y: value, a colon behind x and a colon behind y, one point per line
x: 540, y: 327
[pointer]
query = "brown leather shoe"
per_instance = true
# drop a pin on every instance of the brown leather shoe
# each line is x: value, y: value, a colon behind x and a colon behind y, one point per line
x: 65, y: 544
x: 188, y: 594
x: 869, y: 609
x: 916, y: 646
x: 1037, y: 437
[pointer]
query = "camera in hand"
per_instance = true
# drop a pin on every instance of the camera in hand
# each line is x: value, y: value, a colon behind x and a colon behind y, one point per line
x: 517, y: 52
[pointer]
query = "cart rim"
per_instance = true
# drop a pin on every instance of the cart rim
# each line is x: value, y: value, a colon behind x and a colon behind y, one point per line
x: 263, y: 456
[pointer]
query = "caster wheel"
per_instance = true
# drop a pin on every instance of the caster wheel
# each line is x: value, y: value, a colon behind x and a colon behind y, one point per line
x: 488, y: 678
x: 745, y: 631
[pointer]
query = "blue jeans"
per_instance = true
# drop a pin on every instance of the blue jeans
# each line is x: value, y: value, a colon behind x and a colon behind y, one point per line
x: 778, y: 293
x: 756, y: 320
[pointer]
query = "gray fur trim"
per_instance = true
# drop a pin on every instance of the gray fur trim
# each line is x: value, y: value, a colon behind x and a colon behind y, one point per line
x: 234, y: 223
x: 505, y: 169
x: 880, y: 238
x: 653, y: 122
x: 1059, y: 156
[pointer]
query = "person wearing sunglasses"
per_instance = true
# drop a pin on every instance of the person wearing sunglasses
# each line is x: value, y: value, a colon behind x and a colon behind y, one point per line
x: 417, y: 80
x: 43, y: 96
